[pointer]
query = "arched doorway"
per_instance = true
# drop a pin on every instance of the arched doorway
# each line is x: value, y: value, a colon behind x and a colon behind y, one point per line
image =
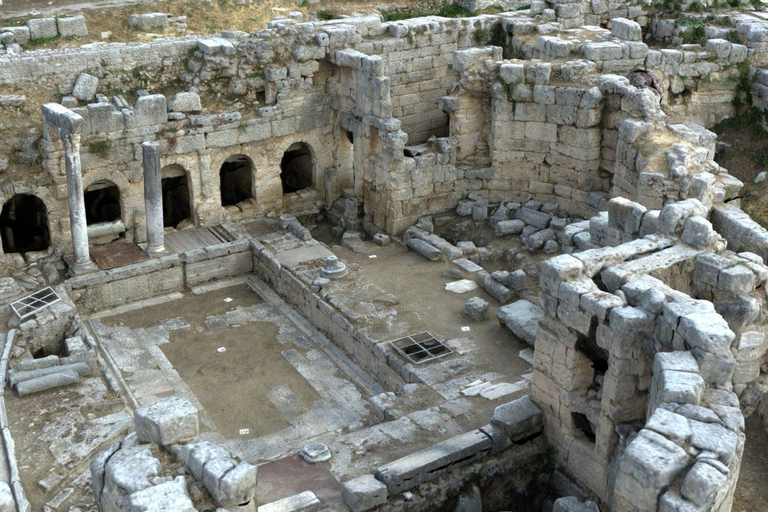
x: 24, y: 224
x: 176, y: 206
x: 102, y: 202
x: 236, y: 180
x: 296, y: 168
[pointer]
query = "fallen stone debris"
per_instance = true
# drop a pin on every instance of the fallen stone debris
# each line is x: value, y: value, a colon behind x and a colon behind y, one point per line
x: 463, y: 256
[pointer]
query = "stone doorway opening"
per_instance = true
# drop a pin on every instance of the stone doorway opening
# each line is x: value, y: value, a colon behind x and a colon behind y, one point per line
x: 102, y: 202
x: 176, y: 208
x: 296, y: 168
x: 24, y: 224
x: 236, y: 180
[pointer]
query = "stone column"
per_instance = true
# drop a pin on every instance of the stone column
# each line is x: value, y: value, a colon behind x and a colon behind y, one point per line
x: 69, y: 125
x: 153, y: 197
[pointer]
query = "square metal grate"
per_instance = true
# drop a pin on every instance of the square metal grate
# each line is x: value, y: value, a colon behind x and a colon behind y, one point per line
x: 31, y: 304
x: 420, y: 348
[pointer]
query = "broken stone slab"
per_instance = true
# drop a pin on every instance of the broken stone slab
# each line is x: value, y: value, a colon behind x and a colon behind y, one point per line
x: 85, y: 87
x: 467, y: 265
x: 430, y: 463
x: 461, y: 286
x: 129, y: 470
x: 364, y: 493
x: 522, y: 318
x: 20, y: 34
x: 476, y: 309
x: 170, y: 421
x: 302, y: 502
x: 13, y: 100
x: 430, y: 252
x: 187, y: 102
x: 519, y: 418
x: 315, y: 452
x: 46, y: 382
x: 702, y: 484
x: 168, y: 496
x: 82, y: 370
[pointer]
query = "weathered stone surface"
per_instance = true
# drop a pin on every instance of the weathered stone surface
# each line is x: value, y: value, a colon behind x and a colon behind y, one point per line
x: 85, y: 87
x: 429, y: 463
x: 169, y: 497
x: 364, y: 493
x: 476, y: 309
x: 73, y: 26
x: 187, y: 102
x: 302, y: 502
x: 519, y: 419
x: 170, y: 421
x: 42, y: 28
x: 522, y: 318
x: 315, y: 452
x: 430, y: 252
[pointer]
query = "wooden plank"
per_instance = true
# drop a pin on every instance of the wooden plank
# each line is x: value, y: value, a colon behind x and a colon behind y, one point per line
x: 117, y: 254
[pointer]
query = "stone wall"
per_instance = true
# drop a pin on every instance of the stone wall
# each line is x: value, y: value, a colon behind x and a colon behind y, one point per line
x: 160, y: 276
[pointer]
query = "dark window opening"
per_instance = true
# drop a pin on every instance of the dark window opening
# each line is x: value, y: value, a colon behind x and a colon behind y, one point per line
x: 584, y: 425
x: 175, y: 196
x: 236, y: 180
x: 599, y: 358
x: 102, y: 202
x: 261, y: 96
x: 350, y: 136
x: 24, y: 224
x: 296, y: 168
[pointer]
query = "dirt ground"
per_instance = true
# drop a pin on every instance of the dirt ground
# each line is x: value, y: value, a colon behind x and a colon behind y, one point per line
x: 751, y: 490
x: 745, y: 155
x: 418, y: 284
x: 231, y: 385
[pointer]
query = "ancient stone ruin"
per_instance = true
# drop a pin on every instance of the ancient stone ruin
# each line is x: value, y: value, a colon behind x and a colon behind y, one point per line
x: 482, y: 256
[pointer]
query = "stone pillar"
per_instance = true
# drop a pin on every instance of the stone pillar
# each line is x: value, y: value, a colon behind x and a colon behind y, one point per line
x: 153, y: 197
x: 69, y: 125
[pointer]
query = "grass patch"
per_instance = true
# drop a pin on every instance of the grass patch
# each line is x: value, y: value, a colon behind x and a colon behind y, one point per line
x: 100, y: 148
x: 447, y: 11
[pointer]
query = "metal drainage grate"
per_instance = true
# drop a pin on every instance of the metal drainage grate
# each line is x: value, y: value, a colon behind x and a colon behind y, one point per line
x: 420, y: 348
x: 31, y: 304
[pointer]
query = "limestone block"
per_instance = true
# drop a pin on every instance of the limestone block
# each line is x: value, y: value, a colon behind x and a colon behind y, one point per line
x: 627, y: 30
x: 534, y: 218
x: 522, y: 318
x: 237, y: 486
x: 364, y: 493
x: 187, y: 102
x: 42, y: 28
x: 130, y: 470
x: 495, y: 289
x: 519, y: 419
x: 673, y: 426
x: 476, y: 309
x: 509, y: 227
x: 85, y: 87
x: 698, y: 232
x: 169, y: 497
x: 73, y: 26
x: 148, y: 22
x: 430, y: 463
x: 714, y: 438
x: 196, y: 454
x: 647, y: 466
x: 20, y: 34
x: 46, y: 382
x: 170, y: 421
x: 602, y: 51
x: 151, y: 110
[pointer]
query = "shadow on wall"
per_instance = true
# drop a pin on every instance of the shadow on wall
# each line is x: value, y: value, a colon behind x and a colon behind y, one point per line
x: 296, y: 168
x: 236, y: 180
x: 176, y: 208
x: 24, y: 224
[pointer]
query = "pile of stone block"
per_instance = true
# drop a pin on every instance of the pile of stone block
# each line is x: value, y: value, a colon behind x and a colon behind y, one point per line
x: 501, y: 284
x: 133, y: 474
x: 698, y: 432
x: 430, y: 245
